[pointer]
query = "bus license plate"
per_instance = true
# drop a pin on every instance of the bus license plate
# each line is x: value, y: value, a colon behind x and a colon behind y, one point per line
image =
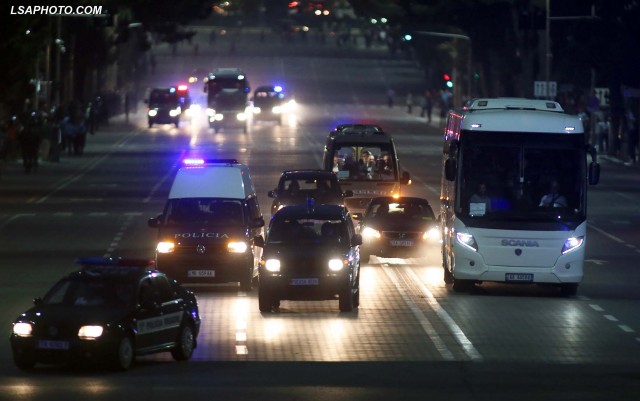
x: 397, y: 242
x: 49, y: 344
x: 201, y: 273
x: 519, y: 277
x: 304, y: 281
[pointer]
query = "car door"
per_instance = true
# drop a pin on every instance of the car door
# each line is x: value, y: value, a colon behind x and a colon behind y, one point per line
x: 149, y: 319
x: 172, y: 307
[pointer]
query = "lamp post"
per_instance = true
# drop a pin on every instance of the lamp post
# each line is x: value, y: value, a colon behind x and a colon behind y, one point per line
x: 455, y: 36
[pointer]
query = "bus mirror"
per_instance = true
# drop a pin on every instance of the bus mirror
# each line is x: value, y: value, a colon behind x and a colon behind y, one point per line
x: 594, y: 173
x: 450, y: 169
x: 405, y: 178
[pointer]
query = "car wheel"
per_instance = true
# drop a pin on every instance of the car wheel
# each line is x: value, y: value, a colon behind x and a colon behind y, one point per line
x: 265, y: 300
x: 346, y: 300
x: 185, y: 345
x: 124, y: 355
x: 568, y: 290
x: 25, y: 361
x: 150, y: 124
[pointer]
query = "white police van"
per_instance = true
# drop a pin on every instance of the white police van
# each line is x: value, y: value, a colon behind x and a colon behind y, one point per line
x: 207, y: 232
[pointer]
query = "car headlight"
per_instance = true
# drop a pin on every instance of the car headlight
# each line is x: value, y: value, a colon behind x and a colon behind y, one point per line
x: 256, y: 110
x: 165, y: 247
x: 218, y: 117
x: 237, y: 247
x: 241, y: 116
x: 152, y: 112
x: 337, y: 264
x: 272, y: 265
x: 369, y: 232
x: 432, y: 234
x: 211, y: 112
x: 22, y: 329
x: 90, y: 332
x: 276, y: 110
x: 175, y: 112
x: 572, y: 243
x: 467, y: 240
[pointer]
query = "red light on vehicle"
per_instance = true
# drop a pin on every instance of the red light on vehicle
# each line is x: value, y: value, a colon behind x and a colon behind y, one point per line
x: 182, y: 88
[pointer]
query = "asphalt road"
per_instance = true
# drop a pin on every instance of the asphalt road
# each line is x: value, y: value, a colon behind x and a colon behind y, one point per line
x: 412, y: 337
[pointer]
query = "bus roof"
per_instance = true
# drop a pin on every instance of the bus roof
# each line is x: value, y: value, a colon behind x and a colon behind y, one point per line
x: 513, y: 103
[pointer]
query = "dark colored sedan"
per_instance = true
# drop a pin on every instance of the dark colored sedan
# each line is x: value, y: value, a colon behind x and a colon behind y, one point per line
x: 397, y: 227
x: 269, y: 104
x: 110, y: 311
x: 311, y: 253
x: 296, y: 186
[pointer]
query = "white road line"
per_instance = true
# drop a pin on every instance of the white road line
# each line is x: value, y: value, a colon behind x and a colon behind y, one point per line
x: 626, y: 328
x: 596, y: 308
x: 457, y: 332
x: 611, y: 317
x: 422, y: 319
x: 606, y: 234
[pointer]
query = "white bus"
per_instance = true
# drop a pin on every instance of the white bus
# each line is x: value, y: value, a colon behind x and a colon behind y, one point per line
x: 514, y: 194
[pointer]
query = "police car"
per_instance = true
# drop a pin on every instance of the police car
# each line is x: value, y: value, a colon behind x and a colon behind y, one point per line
x: 111, y: 310
x: 168, y: 105
x: 269, y: 103
x: 311, y: 253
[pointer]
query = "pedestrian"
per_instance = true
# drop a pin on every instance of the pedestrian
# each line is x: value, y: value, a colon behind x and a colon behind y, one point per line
x: 45, y: 136
x: 90, y: 117
x: 126, y: 106
x: 428, y: 105
x: 632, y: 136
x: 409, y: 102
x: 29, y: 143
x: 391, y: 94
x: 13, y: 133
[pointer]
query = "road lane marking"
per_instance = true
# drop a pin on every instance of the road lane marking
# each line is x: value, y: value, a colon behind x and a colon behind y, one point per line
x: 596, y: 308
x: 457, y: 332
x: 626, y: 328
x: 422, y: 319
x: 610, y: 317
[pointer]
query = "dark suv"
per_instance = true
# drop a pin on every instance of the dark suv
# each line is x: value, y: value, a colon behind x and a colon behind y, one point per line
x: 164, y: 106
x: 311, y: 253
x: 268, y: 104
x: 296, y: 186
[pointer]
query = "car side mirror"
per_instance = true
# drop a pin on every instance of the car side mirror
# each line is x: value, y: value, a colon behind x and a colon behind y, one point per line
x: 258, y: 241
x: 347, y: 194
x: 356, y: 240
x: 272, y: 194
x: 154, y: 222
x: 257, y: 222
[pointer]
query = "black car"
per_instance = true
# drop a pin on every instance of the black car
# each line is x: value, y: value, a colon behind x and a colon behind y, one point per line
x: 296, y: 186
x: 311, y: 253
x: 111, y: 310
x: 165, y: 106
x: 269, y: 104
x: 399, y: 227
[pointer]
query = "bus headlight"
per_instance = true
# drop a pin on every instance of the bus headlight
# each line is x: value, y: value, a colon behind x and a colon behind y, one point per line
x: 571, y: 244
x: 22, y: 329
x: 152, y: 113
x: 165, y: 247
x: 370, y: 233
x: 237, y: 247
x: 272, y: 265
x: 467, y: 240
x: 90, y: 332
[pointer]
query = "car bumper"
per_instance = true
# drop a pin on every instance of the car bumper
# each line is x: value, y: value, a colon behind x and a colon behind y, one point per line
x: 304, y: 288
x: 206, y: 269
x: 43, y: 350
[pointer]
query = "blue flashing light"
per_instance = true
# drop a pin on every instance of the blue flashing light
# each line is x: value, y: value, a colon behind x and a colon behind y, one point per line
x: 172, y: 90
x: 193, y: 161
x: 277, y: 88
x: 109, y: 261
x: 407, y: 37
x: 310, y: 203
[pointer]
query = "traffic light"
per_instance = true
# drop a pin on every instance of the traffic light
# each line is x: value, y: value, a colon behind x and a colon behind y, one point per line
x: 447, y: 80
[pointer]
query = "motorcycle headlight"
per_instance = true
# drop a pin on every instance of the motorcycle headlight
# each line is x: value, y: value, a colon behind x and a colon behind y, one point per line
x: 237, y: 247
x: 272, y: 265
x: 572, y: 243
x: 370, y: 233
x: 90, y: 332
x: 22, y: 329
x: 165, y: 247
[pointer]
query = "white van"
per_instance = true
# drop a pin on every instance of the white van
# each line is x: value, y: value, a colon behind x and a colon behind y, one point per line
x: 208, y: 229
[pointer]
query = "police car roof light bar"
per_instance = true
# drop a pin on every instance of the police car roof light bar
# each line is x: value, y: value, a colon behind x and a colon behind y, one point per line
x: 118, y: 261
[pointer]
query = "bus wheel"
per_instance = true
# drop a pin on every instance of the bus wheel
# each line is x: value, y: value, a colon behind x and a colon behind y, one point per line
x: 448, y: 277
x: 568, y: 290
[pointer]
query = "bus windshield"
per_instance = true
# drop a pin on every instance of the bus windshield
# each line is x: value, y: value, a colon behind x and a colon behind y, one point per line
x: 364, y: 162
x: 519, y: 176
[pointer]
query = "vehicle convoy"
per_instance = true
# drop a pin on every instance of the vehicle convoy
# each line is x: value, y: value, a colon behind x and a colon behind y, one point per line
x: 111, y: 310
x: 397, y: 227
x: 269, y: 104
x: 227, y: 92
x: 165, y: 106
x: 514, y: 194
x: 207, y: 231
x: 311, y: 253
x: 296, y: 186
x: 365, y: 160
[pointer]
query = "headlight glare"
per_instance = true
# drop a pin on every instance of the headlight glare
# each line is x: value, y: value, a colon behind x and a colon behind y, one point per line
x: 165, y: 247
x: 152, y: 113
x: 335, y: 264
x: 90, y: 332
x: 571, y: 244
x: 432, y: 234
x: 467, y: 240
x: 237, y: 247
x: 369, y: 232
x: 22, y: 329
x: 272, y: 265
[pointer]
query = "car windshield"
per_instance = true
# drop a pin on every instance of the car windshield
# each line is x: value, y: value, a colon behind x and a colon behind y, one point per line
x: 302, y: 186
x: 401, y: 210
x: 75, y: 292
x: 364, y: 163
x: 204, y: 211
x: 319, y: 231
x: 163, y: 97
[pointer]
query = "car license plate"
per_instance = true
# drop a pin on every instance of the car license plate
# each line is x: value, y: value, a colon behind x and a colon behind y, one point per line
x: 397, y: 242
x: 201, y: 273
x: 519, y: 277
x: 304, y: 281
x: 50, y: 344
